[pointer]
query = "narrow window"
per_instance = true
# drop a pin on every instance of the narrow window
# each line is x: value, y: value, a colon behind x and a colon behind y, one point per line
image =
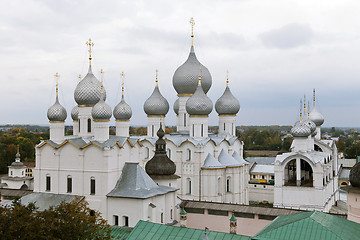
x: 202, y: 130
x: 147, y: 152
x: 184, y: 119
x: 79, y: 125
x: 22, y: 173
x: 189, y: 155
x: 162, y: 217
x: 171, y: 217
x: 169, y: 152
x: 228, y: 189
x: 126, y: 221
x: 224, y: 126
x: 189, y: 186
x: 69, y: 184
x: 193, y: 129
x: 219, y: 186
x: 11, y: 173
x: 232, y: 128
x: 116, y: 220
x: 48, y: 181
x: 92, y: 186
x: 89, y: 125
x: 152, y: 130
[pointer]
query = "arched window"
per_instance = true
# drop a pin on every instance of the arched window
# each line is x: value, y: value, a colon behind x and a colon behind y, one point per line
x: 184, y: 119
x: 219, y: 186
x: 152, y: 130
x: 162, y: 217
x: 92, y: 186
x: 202, y: 130
x: 188, y: 155
x: 69, y: 184
x: 89, y: 125
x: 126, y: 221
x: 188, y: 186
x: 224, y: 126
x: 169, y: 152
x: 147, y: 152
x: 48, y: 182
x: 171, y: 214
x: 228, y: 184
x: 79, y: 125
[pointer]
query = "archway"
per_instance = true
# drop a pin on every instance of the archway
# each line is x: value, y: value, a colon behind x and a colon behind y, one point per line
x: 306, y: 174
x: 290, y: 173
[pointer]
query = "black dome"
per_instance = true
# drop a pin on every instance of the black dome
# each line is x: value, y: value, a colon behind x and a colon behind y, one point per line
x: 355, y: 175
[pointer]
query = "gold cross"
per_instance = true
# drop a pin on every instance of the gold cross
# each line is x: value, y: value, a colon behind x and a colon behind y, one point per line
x: 227, y: 78
x: 122, y: 84
x: 192, y: 22
x: 102, y: 80
x: 57, y: 83
x: 156, y: 80
x: 90, y: 44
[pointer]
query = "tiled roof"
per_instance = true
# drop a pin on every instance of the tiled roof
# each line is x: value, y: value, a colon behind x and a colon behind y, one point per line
x: 310, y: 225
x: 148, y: 230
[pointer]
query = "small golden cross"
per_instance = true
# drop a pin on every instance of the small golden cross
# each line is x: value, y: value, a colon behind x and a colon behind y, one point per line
x: 156, y: 80
x: 90, y: 44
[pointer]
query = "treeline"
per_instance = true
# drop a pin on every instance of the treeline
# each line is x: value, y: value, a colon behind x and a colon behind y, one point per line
x: 255, y: 139
x: 26, y: 139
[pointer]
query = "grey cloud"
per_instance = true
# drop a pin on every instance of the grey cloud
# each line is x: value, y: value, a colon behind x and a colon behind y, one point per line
x: 289, y: 36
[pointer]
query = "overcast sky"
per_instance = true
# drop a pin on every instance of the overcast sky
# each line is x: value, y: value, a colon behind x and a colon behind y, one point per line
x: 276, y: 51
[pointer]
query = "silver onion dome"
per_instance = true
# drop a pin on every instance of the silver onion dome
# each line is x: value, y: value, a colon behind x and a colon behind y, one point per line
x: 186, y: 76
x: 176, y: 106
x: 156, y: 104
x: 75, y: 113
x: 316, y: 117
x: 199, y: 103
x: 57, y: 112
x: 300, y: 130
x: 122, y: 110
x: 101, y: 110
x: 88, y: 90
x: 310, y: 124
x: 227, y: 103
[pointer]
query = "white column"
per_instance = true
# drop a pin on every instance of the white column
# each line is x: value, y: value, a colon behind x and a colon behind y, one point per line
x: 198, y: 126
x: 318, y: 133
x: 227, y: 124
x: 298, y: 172
x: 84, y: 115
x: 183, y: 116
x: 154, y: 124
x: 57, y: 131
x: 122, y: 128
x: 101, y: 130
x: 75, y: 127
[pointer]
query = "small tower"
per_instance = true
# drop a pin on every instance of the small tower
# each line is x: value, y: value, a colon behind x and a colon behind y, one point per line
x: 156, y: 107
x: 122, y: 113
x: 317, y: 118
x: 227, y: 106
x: 199, y: 106
x: 101, y: 113
x: 57, y: 115
x: 183, y: 218
x: 233, y: 224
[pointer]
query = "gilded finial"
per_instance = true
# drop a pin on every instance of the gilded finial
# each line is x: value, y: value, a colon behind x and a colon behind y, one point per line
x: 308, y: 111
x: 314, y: 97
x: 102, y: 80
x: 227, y: 78
x: 90, y: 44
x: 122, y: 83
x: 199, y: 75
x: 304, y: 105
x: 57, y: 83
x: 192, y: 22
x: 18, y: 148
x: 156, y: 78
x: 300, y: 109
x: 79, y: 77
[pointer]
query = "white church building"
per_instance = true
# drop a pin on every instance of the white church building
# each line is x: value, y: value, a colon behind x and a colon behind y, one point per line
x: 109, y: 170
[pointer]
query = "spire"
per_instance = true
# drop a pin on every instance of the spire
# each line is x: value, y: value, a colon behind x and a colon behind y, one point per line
x: 57, y: 84
x: 90, y: 44
x: 102, y: 81
x: 192, y: 22
x: 122, y: 83
x: 308, y: 111
x: 314, y: 98
x: 17, y: 156
x: 156, y: 78
x: 304, y: 105
x: 300, y: 109
x: 227, y: 78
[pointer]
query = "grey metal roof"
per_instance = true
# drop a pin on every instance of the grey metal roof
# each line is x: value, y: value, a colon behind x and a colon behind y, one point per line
x: 262, y: 169
x: 313, y: 156
x: 75, y: 113
x: 211, y: 162
x: 185, y: 78
x: 237, y: 157
x: 134, y: 182
x: 199, y: 103
x: 227, y: 103
x: 261, y: 160
x: 300, y: 129
x: 344, y: 173
x: 156, y: 104
x: 227, y: 160
x: 44, y: 200
x: 316, y: 117
x: 122, y: 110
x: 176, y: 106
x: 101, y: 110
x: 57, y: 112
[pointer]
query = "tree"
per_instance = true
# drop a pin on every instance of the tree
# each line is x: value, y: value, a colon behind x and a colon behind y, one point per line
x: 68, y: 220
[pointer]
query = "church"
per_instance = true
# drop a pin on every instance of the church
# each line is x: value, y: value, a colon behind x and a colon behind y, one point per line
x: 131, y: 178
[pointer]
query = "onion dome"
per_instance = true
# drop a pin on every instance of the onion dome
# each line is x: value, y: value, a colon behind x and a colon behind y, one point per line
x: 300, y: 130
x: 310, y: 124
x: 160, y: 164
x: 316, y: 117
x: 17, y: 162
x: 176, y: 106
x: 156, y: 104
x: 186, y: 76
x: 56, y: 113
x: 122, y: 110
x: 227, y: 103
x: 101, y: 111
x: 211, y: 162
x: 88, y: 90
x: 75, y: 113
x: 199, y: 103
x: 355, y: 175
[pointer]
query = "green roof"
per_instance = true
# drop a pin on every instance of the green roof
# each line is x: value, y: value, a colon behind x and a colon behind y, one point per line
x: 183, y: 212
x: 154, y: 231
x: 310, y: 225
x: 233, y: 218
x: 120, y: 232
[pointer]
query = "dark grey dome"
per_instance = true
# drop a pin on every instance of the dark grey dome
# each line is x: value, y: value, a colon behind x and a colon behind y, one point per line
x: 227, y: 103
x: 185, y: 78
x: 101, y: 110
x: 316, y: 117
x: 199, y: 103
x: 355, y: 175
x: 57, y: 112
x: 300, y: 129
x: 176, y: 106
x: 75, y: 113
x: 156, y: 104
x: 88, y: 90
x: 122, y: 110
